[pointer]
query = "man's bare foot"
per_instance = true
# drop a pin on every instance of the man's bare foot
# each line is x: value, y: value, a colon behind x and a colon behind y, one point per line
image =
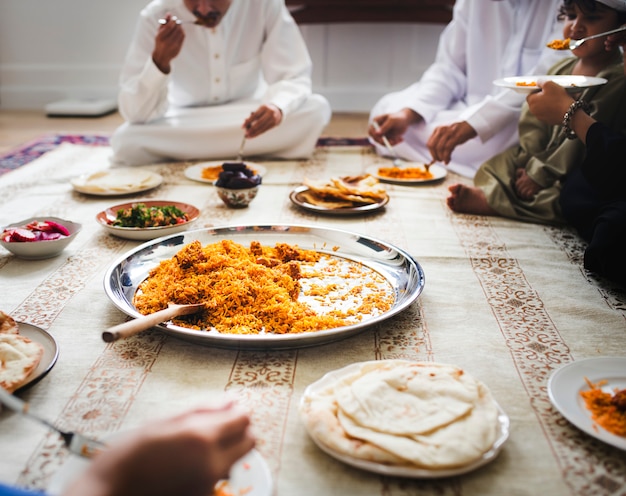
x: 467, y: 200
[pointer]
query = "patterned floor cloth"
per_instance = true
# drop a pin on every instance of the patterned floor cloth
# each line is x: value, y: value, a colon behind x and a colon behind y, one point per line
x: 509, y: 302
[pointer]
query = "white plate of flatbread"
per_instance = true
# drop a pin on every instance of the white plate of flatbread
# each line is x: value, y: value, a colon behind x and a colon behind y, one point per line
x: 114, y: 182
x: 403, y: 418
x: 27, y: 354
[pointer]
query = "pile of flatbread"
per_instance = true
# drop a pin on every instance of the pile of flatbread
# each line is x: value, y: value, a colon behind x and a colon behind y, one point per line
x: 19, y: 355
x: 346, y: 191
x: 118, y: 181
x: 400, y: 413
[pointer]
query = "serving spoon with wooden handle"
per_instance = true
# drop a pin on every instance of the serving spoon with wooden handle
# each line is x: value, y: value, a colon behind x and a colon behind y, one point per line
x: 135, y: 326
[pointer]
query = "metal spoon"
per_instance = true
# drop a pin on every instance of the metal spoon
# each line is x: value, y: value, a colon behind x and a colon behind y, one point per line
x: 77, y: 443
x: 133, y: 327
x: 573, y: 44
x: 397, y: 161
x: 240, y: 154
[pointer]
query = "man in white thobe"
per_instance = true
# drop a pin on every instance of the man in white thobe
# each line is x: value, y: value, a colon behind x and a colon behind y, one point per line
x: 455, y: 114
x: 202, y: 74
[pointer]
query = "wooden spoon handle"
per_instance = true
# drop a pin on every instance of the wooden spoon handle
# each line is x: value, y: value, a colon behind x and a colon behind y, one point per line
x: 135, y: 326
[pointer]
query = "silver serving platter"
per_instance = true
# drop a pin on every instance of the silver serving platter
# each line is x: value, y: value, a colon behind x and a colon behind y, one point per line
x: 400, y: 269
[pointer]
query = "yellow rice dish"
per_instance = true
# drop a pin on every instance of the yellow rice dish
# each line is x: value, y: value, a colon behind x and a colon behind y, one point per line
x: 263, y: 289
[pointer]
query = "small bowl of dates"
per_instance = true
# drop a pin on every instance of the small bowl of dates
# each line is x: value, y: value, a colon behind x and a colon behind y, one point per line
x: 237, y: 184
x: 39, y: 237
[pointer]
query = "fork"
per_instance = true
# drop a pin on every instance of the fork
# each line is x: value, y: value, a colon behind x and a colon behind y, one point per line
x: 573, y: 44
x: 76, y: 443
x: 397, y: 161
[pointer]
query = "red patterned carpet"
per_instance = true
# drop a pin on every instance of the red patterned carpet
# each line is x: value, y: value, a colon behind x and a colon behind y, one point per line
x: 35, y: 149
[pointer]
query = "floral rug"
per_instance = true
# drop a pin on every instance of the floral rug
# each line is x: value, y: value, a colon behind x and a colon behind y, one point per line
x: 35, y: 149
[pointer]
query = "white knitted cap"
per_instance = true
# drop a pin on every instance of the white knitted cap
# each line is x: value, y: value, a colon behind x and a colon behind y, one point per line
x: 615, y: 4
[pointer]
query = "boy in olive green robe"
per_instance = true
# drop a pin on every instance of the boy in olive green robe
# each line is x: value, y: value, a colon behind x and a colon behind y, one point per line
x: 524, y: 182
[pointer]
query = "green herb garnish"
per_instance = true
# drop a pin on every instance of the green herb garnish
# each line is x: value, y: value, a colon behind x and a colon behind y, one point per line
x: 139, y: 215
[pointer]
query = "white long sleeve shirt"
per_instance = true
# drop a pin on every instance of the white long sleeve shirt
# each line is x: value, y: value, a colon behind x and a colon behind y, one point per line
x: 487, y: 40
x: 256, y: 51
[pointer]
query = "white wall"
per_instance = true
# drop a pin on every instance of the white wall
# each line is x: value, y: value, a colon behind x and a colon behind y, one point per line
x: 52, y: 50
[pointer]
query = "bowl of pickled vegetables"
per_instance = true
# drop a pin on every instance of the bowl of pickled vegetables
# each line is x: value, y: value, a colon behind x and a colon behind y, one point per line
x: 38, y: 238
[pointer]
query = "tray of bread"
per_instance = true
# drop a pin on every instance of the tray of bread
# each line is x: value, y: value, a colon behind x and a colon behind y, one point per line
x: 345, y: 195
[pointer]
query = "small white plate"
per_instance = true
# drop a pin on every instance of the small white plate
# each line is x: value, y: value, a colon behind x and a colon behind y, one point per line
x: 195, y: 171
x: 402, y: 471
x: 146, y: 233
x: 116, y: 182
x: 48, y: 359
x: 527, y: 84
x: 566, y: 384
x: 438, y: 172
x: 250, y: 475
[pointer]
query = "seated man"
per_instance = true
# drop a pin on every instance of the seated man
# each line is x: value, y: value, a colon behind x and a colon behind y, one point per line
x: 455, y: 114
x: 200, y: 75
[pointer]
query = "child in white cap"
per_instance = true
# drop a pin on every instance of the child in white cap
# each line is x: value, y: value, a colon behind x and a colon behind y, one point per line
x: 593, y: 197
x: 524, y: 182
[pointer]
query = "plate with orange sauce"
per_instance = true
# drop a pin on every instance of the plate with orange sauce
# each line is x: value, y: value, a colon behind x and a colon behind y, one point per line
x: 411, y: 173
x: 566, y: 384
x: 208, y: 172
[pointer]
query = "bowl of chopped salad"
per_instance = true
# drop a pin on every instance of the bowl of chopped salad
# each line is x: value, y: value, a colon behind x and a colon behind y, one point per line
x: 38, y: 238
x: 146, y: 220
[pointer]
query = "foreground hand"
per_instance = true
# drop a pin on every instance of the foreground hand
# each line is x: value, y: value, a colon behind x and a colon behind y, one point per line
x: 525, y: 187
x: 393, y: 126
x: 167, y: 44
x: 186, y: 454
x: 445, y: 139
x: 263, y: 119
x: 550, y: 104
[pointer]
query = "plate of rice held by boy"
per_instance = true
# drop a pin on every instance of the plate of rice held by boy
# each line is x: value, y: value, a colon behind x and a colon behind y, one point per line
x: 276, y: 286
x: 404, y: 418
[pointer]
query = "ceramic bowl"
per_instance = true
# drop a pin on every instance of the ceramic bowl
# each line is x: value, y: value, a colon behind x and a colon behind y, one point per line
x: 107, y: 216
x: 37, y: 250
x: 237, y: 198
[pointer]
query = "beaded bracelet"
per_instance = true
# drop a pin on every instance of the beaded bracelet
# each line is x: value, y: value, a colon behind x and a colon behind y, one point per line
x: 567, y: 118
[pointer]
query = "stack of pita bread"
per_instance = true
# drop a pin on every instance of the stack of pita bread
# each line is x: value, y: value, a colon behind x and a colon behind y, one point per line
x: 408, y: 414
x: 118, y: 181
x: 344, y: 192
x: 19, y: 356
